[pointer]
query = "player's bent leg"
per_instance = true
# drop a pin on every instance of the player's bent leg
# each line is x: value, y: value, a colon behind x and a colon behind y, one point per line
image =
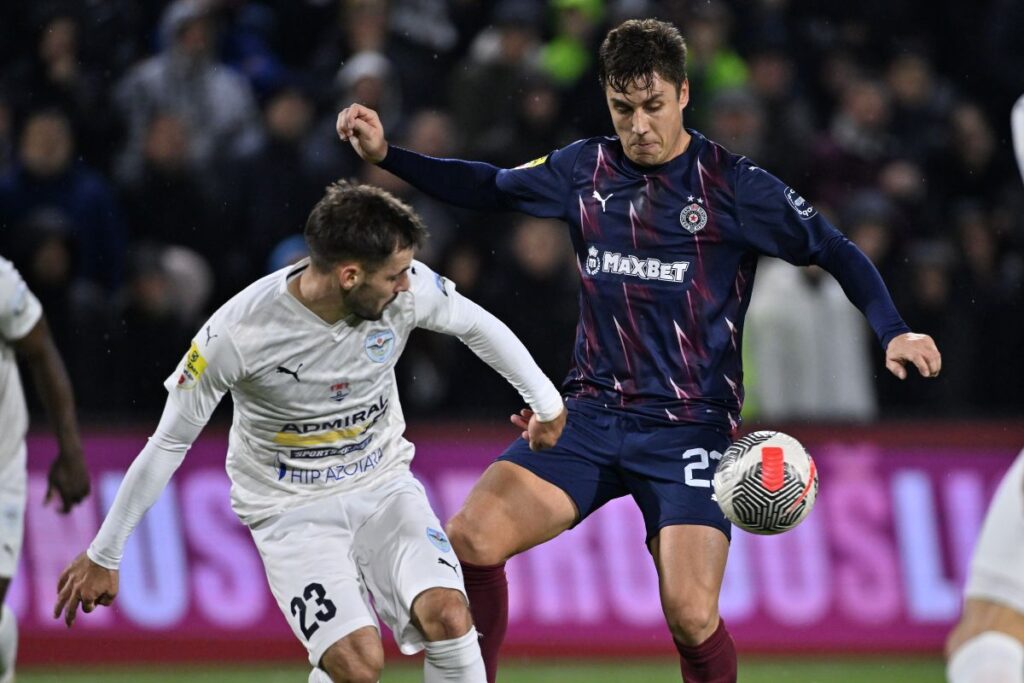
x: 452, y: 650
x: 509, y: 510
x: 987, y: 644
x: 441, y: 614
x: 691, y: 564
x: 356, y: 658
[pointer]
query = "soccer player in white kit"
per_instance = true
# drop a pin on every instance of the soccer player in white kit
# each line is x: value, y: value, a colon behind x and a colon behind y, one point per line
x: 24, y: 334
x: 318, y: 465
x: 987, y: 644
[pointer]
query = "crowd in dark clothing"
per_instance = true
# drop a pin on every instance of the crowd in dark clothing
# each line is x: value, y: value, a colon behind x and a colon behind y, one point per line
x: 156, y: 157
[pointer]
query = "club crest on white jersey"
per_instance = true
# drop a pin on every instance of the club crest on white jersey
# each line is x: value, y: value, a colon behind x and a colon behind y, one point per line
x: 380, y: 345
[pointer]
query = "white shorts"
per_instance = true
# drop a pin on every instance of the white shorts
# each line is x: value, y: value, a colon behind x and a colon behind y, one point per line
x: 13, y: 487
x: 325, y: 561
x: 997, y: 568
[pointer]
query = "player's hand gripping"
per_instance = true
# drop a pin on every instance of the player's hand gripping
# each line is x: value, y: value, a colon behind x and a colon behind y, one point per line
x: 69, y: 479
x: 539, y: 434
x: 917, y: 349
x: 361, y: 127
x: 84, y: 583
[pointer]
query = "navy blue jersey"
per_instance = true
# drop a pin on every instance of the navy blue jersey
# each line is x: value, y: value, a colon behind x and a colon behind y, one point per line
x: 666, y: 256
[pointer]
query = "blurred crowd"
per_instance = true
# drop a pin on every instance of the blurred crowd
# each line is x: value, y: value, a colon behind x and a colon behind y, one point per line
x: 155, y: 157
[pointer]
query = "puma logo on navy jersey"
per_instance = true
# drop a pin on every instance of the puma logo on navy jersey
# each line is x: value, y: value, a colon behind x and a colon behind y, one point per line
x: 598, y: 197
x: 294, y: 373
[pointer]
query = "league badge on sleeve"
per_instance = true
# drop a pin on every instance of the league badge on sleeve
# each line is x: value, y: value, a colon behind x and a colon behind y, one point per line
x: 800, y: 205
x: 195, y: 366
x: 531, y: 164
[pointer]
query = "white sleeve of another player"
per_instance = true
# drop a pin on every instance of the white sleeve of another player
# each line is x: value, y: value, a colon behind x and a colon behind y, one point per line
x: 1017, y: 126
x: 143, y: 483
x: 19, y: 308
x: 439, y: 307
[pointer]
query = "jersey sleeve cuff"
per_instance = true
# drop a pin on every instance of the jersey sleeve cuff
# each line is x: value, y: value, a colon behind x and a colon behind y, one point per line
x: 99, y: 558
x: 549, y: 406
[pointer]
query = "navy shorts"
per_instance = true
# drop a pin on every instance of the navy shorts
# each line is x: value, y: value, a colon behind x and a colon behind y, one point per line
x: 605, y: 453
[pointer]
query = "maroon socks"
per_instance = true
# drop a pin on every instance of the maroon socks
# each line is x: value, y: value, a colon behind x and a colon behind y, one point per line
x: 713, y: 661
x: 487, y: 588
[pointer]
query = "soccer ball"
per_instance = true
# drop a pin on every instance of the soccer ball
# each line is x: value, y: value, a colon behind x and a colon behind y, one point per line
x: 766, y: 483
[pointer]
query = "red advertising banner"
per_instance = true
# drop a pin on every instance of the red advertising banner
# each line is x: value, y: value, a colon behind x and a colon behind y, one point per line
x: 878, y: 565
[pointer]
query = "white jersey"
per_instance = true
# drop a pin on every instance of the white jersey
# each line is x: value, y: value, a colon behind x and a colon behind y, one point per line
x: 19, y: 313
x: 316, y: 409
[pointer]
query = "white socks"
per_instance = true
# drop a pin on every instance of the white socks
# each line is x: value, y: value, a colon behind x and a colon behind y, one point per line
x: 991, y: 657
x: 317, y: 675
x: 8, y: 644
x: 455, y: 660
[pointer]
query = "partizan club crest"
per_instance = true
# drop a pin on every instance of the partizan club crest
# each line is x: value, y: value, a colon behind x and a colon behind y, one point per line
x: 693, y: 217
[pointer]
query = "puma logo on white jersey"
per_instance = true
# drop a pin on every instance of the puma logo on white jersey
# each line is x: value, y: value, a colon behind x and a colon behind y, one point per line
x: 598, y: 197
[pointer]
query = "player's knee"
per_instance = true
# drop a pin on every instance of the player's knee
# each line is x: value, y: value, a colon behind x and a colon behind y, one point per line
x: 442, y: 614
x: 471, y: 542
x: 358, y: 658
x: 691, y: 621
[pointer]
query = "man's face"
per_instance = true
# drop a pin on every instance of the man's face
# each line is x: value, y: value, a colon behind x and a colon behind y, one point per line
x: 650, y: 122
x: 376, y: 289
x: 46, y: 146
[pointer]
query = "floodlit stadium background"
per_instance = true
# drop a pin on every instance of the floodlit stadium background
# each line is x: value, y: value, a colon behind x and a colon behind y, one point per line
x: 156, y: 157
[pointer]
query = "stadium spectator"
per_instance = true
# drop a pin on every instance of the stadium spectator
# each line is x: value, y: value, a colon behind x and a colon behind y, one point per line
x: 56, y: 76
x: 167, y: 202
x: 487, y: 87
x: 214, y: 102
x: 270, y: 189
x: 810, y: 348
x: 148, y: 318
x: 857, y: 146
x: 971, y: 164
x: 788, y: 115
x: 48, y: 177
x: 78, y: 311
x: 738, y: 120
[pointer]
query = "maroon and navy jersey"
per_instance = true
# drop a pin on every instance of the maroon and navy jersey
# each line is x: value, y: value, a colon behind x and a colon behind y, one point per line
x: 666, y: 257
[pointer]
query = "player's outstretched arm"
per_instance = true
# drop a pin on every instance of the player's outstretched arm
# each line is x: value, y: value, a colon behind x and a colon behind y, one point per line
x: 918, y: 350
x: 361, y: 127
x: 91, y: 579
x: 85, y: 583
x: 68, y: 477
x: 441, y: 308
x: 469, y: 184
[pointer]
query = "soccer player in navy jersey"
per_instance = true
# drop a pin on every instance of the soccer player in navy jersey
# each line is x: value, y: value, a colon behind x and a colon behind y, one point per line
x: 667, y: 227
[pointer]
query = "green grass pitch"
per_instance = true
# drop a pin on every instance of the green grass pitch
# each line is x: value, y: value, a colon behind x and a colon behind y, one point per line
x: 752, y: 670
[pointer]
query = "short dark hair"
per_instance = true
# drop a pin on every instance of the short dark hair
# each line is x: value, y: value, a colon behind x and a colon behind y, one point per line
x: 636, y: 49
x: 360, y: 222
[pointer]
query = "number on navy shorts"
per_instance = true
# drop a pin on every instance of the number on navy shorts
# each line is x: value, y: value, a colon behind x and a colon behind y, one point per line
x: 316, y: 592
x: 702, y: 462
